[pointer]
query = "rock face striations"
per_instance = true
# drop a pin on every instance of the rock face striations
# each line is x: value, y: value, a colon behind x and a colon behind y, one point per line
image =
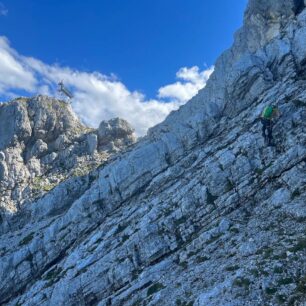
x: 199, y: 212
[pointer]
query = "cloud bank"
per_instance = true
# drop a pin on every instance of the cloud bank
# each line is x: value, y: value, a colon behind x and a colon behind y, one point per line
x: 97, y: 96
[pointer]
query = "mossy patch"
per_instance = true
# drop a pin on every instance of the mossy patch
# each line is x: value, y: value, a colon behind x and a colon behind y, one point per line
x: 234, y: 230
x: 183, y: 264
x: 255, y: 272
x: 299, y: 103
x: 201, y: 259
x: 26, y: 239
x: 281, y: 298
x: 259, y: 171
x: 242, y: 282
x: 229, y: 186
x: 125, y: 238
x: 213, y: 238
x: 299, y: 246
x: 280, y: 256
x: 301, y: 285
x: 154, y: 289
x: 210, y: 198
x: 278, y: 270
x: 180, y: 221
x: 40, y: 184
x: 232, y: 268
x: 52, y: 276
x: 178, y: 302
x: 296, y: 193
x: 120, y: 228
x: 285, y: 281
x: 270, y: 290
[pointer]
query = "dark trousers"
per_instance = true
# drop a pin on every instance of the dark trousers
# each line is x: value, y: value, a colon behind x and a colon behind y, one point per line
x: 267, y: 126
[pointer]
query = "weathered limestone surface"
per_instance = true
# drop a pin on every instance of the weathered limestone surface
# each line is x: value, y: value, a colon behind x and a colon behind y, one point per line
x: 42, y: 143
x: 199, y: 212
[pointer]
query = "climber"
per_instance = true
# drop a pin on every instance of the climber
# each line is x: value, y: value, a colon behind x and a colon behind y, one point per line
x: 268, y: 117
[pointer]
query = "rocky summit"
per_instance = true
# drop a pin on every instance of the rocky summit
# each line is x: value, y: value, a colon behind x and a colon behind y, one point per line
x: 199, y: 212
x: 43, y: 143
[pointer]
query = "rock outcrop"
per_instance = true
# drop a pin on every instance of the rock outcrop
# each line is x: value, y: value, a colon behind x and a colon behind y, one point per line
x: 115, y: 134
x: 42, y: 143
x: 199, y: 212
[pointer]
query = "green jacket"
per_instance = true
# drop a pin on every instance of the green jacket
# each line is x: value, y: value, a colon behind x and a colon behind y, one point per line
x: 269, y: 112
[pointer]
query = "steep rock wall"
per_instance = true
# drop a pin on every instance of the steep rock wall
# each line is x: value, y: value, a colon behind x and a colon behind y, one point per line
x: 200, y: 212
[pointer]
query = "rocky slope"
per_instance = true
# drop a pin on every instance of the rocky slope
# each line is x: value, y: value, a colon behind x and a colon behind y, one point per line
x: 200, y: 212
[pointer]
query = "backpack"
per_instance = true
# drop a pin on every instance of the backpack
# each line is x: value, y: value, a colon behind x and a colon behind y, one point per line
x: 267, y: 112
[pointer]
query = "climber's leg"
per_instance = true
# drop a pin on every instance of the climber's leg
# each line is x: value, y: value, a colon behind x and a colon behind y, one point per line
x: 263, y: 122
x: 270, y: 136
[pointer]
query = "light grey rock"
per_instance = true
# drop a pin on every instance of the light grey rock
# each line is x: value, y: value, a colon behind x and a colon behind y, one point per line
x: 3, y: 170
x: 92, y: 141
x: 43, y: 139
x: 2, y: 157
x: 116, y: 131
x: 61, y: 142
x: 39, y: 148
x: 198, y: 212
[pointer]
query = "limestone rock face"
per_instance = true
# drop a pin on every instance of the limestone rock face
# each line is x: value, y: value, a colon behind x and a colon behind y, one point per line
x: 115, y: 133
x: 44, y: 143
x: 198, y: 212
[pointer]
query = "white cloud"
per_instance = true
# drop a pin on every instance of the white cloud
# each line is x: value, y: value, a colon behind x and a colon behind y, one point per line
x: 13, y: 72
x: 3, y: 10
x: 192, y: 80
x: 97, y: 97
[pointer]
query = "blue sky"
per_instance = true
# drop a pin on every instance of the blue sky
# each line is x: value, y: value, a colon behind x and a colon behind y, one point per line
x: 144, y: 43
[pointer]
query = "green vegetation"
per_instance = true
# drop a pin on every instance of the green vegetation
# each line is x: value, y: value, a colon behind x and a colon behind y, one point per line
x: 183, y: 264
x: 281, y: 298
x: 271, y: 290
x: 178, y: 302
x: 232, y: 268
x: 242, y: 282
x: 285, y: 281
x: 201, y: 259
x: 53, y: 276
x: 234, y: 230
x: 299, y: 103
x: 296, y: 193
x: 155, y: 288
x: 300, y: 245
x: 180, y: 221
x: 301, y: 285
x: 268, y: 252
x: 125, y: 238
x: 135, y: 274
x: 84, y: 270
x: 278, y: 270
x: 259, y: 171
x: 210, y: 198
x: 229, y: 186
x: 26, y: 239
x: 39, y: 184
x: 120, y: 228
x: 213, y: 239
x: 280, y: 256
x: 255, y: 272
